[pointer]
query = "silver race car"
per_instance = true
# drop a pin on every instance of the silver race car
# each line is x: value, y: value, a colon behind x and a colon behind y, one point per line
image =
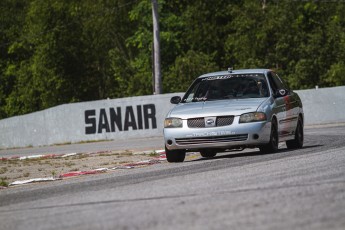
x: 234, y: 109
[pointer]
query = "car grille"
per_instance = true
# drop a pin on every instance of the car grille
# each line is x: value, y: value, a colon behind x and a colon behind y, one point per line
x: 211, y: 139
x: 200, y: 122
x: 196, y: 123
x: 223, y: 121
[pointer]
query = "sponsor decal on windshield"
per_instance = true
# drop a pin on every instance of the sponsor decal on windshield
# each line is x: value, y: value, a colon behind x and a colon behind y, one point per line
x: 218, y: 77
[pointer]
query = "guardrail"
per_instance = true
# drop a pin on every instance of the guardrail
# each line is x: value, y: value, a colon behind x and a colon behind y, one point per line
x: 134, y: 117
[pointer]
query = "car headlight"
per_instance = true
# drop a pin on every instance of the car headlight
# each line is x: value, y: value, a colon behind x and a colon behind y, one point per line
x: 173, y: 122
x: 252, y: 117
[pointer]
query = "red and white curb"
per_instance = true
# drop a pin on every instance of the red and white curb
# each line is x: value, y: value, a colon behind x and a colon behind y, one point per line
x: 33, y: 180
x: 52, y: 156
x: 156, y: 160
x: 80, y: 173
x: 42, y: 156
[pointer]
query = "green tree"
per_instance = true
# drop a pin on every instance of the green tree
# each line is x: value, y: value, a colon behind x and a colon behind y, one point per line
x: 55, y: 52
x: 64, y: 53
x: 12, y: 19
x: 186, y: 68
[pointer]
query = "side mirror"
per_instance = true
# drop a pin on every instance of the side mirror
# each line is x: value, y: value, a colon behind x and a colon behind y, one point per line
x: 175, y: 100
x: 281, y: 93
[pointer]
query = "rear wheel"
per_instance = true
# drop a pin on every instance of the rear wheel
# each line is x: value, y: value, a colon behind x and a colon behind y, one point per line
x: 272, y: 146
x: 208, y: 153
x: 176, y: 155
x: 297, y: 143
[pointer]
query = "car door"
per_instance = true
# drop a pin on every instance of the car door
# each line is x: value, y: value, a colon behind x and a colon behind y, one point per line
x: 284, y: 102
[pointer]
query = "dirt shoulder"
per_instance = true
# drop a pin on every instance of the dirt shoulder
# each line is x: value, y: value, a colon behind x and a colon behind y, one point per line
x: 53, y: 166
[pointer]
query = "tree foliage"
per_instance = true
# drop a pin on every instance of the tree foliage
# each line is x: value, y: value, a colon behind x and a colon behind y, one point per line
x: 54, y: 52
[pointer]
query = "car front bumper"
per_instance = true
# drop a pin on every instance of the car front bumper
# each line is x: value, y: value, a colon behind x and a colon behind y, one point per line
x: 226, y: 137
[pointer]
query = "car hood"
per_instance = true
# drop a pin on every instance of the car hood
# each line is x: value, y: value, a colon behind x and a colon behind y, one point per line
x: 216, y: 108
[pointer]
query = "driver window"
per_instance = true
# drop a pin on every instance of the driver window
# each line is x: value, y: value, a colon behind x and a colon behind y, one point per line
x: 272, y: 82
x: 275, y: 82
x: 284, y: 85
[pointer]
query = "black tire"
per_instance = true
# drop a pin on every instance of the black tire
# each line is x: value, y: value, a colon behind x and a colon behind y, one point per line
x: 208, y: 153
x: 272, y: 146
x: 297, y: 143
x: 176, y: 155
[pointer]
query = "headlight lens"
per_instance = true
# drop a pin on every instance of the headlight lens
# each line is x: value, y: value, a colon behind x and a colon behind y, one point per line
x: 173, y: 123
x: 252, y: 117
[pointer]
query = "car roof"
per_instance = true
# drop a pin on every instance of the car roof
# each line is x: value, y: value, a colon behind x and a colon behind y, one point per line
x: 239, y: 71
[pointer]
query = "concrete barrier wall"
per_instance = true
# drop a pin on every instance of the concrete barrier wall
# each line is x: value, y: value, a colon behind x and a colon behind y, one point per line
x: 124, y: 118
x: 134, y: 117
x: 323, y: 106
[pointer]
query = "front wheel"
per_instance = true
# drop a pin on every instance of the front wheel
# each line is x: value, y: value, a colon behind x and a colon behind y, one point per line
x: 176, y: 155
x: 272, y: 146
x: 297, y: 143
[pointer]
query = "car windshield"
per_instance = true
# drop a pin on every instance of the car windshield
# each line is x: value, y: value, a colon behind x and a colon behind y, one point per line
x: 232, y: 86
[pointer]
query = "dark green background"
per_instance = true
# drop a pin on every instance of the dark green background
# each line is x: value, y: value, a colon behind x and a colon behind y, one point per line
x: 62, y: 51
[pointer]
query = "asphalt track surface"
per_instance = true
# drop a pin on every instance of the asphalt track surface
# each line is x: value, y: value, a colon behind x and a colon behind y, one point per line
x: 299, y: 189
